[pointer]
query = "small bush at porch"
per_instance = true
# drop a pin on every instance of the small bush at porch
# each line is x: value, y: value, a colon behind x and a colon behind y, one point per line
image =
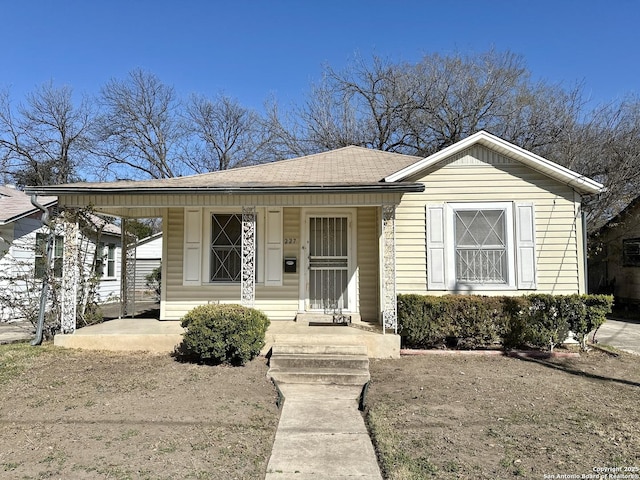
x: 223, y: 334
x: 473, y: 321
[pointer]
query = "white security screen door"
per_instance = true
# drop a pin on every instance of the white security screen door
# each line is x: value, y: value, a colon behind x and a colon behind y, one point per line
x: 328, y: 263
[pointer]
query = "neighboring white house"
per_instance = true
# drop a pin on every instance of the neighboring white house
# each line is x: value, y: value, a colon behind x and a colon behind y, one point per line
x: 148, y: 258
x: 22, y: 253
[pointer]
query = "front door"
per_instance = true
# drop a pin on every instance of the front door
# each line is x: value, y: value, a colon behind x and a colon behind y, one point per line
x: 328, y: 286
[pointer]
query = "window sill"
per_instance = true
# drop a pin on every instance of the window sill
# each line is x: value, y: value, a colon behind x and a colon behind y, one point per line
x: 476, y: 287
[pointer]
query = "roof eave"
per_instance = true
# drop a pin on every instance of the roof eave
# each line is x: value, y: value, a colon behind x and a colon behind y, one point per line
x: 24, y: 214
x: 399, y: 187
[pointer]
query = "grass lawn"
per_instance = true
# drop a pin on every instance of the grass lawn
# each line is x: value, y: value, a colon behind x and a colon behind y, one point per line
x: 86, y: 414
x: 478, y: 417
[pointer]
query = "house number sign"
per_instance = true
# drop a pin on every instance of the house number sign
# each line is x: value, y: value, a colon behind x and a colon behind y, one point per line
x: 290, y: 241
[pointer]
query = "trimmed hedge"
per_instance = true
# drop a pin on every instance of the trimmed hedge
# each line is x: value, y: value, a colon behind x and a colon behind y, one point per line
x: 472, y: 321
x: 223, y: 334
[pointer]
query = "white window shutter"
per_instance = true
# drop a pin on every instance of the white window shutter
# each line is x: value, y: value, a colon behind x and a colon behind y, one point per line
x: 526, y: 246
x: 436, y: 279
x: 192, y: 262
x: 273, y: 248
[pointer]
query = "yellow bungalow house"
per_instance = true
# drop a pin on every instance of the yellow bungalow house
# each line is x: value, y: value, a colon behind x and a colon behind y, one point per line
x: 349, y: 229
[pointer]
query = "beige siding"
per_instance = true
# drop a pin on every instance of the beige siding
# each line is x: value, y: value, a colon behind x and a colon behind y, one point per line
x: 279, y: 303
x: 480, y: 175
x: 368, y: 263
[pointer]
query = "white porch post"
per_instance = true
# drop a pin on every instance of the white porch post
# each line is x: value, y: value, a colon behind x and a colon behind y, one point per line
x: 248, y: 255
x: 127, y: 272
x: 389, y: 306
x: 70, y: 276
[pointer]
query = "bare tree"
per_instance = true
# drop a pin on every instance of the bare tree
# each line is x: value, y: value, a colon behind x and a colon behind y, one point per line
x: 606, y: 147
x: 43, y: 140
x: 138, y: 132
x: 410, y: 108
x: 227, y: 135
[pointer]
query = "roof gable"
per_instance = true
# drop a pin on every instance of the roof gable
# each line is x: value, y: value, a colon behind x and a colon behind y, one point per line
x: 581, y: 183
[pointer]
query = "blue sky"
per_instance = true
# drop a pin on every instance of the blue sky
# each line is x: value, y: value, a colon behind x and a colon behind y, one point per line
x: 251, y: 50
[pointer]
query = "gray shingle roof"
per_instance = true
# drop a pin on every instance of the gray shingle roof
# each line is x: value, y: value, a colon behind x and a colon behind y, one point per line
x: 15, y: 204
x: 348, y: 166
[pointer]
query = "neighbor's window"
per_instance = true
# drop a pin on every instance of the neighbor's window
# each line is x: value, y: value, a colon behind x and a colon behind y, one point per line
x: 481, y: 246
x: 106, y: 254
x: 226, y: 247
x: 631, y: 252
x: 41, y: 255
x: 111, y: 260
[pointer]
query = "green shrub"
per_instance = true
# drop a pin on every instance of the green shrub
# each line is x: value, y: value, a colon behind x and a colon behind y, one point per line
x: 546, y: 327
x: 223, y: 334
x: 459, y: 321
x: 471, y: 321
x: 596, y: 309
x: 516, y: 313
x: 421, y: 321
x: 154, y: 281
x: 478, y: 322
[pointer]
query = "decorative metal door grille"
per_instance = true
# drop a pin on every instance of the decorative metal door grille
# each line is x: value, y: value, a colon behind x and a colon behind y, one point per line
x: 328, y: 263
x: 226, y: 247
x: 481, y: 247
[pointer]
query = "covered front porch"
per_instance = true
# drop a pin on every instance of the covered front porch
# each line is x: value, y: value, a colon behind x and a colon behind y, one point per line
x: 152, y: 335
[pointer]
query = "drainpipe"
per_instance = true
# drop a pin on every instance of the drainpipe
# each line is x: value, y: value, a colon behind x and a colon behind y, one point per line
x: 45, y: 281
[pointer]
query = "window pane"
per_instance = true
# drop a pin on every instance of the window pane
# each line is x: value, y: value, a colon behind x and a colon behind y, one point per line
x: 41, y: 244
x: 40, y: 267
x: 480, y: 227
x: 227, y: 230
x: 57, y: 268
x: 481, y: 250
x: 631, y: 252
x: 226, y: 246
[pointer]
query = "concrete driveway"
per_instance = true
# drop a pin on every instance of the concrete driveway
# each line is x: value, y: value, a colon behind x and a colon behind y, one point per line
x: 621, y: 334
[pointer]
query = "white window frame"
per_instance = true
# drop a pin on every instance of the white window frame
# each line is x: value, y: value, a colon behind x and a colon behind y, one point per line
x: 103, y: 266
x: 450, y: 246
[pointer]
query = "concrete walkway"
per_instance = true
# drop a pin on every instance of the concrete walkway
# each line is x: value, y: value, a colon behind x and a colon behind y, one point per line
x: 322, y: 435
x: 623, y: 335
x: 11, y: 332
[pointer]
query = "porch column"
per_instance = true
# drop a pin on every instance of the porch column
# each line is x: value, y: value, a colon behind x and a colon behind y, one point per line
x: 248, y: 255
x: 70, y: 276
x: 127, y: 271
x: 389, y: 307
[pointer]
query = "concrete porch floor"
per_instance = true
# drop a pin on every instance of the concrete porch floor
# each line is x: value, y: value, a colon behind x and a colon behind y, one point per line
x: 151, y: 335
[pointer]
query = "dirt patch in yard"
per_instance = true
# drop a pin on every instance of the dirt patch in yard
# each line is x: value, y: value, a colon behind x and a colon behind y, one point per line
x: 73, y: 414
x: 477, y: 417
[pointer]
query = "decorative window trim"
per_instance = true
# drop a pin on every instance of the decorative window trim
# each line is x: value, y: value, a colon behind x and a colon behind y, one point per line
x: 520, y: 246
x: 197, y: 246
x: 453, y: 283
x: 233, y: 249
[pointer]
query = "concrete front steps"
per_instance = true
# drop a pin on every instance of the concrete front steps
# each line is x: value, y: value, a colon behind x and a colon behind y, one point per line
x: 378, y: 345
x: 319, y: 364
